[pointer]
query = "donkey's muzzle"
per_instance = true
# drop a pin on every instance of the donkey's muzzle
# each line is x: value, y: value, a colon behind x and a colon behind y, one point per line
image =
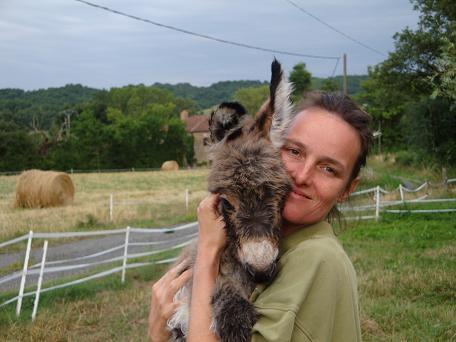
x: 259, y: 259
x: 262, y: 276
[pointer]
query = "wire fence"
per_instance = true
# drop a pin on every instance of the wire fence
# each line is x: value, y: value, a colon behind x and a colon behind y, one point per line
x: 131, y: 245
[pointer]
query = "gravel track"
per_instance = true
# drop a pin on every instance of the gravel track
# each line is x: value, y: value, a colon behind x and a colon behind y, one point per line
x: 88, y: 246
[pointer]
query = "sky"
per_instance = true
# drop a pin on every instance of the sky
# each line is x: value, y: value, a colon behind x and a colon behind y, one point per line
x: 50, y: 43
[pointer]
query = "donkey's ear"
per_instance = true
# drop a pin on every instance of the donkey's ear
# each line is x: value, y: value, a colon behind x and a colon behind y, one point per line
x: 224, y: 119
x: 275, y: 115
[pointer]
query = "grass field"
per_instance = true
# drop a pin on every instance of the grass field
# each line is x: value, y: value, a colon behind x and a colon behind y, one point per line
x: 406, y: 264
x: 149, y: 199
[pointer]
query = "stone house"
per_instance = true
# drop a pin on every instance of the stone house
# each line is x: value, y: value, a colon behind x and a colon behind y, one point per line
x: 198, y: 127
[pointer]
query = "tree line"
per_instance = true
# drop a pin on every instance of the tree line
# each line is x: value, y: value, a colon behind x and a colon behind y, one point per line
x: 133, y: 126
x: 76, y: 127
x: 412, y: 93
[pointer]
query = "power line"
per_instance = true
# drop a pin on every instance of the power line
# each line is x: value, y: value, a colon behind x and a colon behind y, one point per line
x: 335, y: 29
x: 220, y: 40
x: 335, y: 67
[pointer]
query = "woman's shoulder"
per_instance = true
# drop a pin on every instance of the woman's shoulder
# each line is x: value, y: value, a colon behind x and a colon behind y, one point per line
x: 317, y: 251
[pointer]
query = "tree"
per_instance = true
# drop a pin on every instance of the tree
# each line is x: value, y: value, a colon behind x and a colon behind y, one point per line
x: 329, y: 84
x: 301, y: 80
x: 444, y: 78
x: 415, y: 82
x: 18, y: 150
x: 252, y: 97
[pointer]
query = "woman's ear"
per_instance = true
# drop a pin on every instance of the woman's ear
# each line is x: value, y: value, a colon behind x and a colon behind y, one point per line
x: 349, y: 189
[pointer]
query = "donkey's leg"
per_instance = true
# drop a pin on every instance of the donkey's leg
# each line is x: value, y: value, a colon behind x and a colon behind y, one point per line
x: 234, y: 315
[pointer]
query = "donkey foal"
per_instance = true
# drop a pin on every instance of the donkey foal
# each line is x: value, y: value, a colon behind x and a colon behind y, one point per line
x: 252, y: 183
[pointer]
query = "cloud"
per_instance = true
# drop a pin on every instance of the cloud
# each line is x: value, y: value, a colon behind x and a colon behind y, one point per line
x: 50, y: 42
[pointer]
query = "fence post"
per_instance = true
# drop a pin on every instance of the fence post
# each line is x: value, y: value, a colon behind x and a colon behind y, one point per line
x: 24, y: 274
x: 40, y: 280
x: 111, y: 207
x: 124, y: 266
x: 401, y: 191
x: 186, y: 200
x: 377, y: 203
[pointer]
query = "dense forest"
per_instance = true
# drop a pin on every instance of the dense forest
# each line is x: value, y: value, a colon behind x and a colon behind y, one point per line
x: 76, y: 127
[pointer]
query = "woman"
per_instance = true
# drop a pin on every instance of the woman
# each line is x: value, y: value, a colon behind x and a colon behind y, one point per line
x: 314, y: 296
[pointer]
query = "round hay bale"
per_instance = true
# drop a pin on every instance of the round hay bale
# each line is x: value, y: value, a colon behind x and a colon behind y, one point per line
x: 42, y: 189
x: 170, y: 165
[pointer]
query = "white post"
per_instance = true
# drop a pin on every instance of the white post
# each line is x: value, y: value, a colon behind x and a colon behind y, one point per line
x: 111, y: 207
x: 24, y: 274
x: 124, y: 266
x: 377, y: 203
x: 40, y: 280
x: 401, y: 192
x: 186, y: 200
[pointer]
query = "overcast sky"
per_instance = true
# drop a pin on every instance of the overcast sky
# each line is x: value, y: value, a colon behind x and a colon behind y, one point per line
x: 50, y: 43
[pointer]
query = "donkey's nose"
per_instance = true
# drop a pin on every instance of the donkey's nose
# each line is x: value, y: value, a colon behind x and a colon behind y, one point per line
x: 263, y: 276
x: 259, y: 255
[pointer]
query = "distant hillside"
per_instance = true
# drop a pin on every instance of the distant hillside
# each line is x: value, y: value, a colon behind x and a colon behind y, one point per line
x: 41, y: 105
x: 45, y: 105
x: 354, y: 82
x: 209, y: 96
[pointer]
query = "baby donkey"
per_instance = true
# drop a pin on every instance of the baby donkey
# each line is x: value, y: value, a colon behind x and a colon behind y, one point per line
x: 252, y: 184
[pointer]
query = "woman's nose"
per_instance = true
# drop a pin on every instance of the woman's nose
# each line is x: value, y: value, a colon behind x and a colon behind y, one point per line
x: 302, y: 174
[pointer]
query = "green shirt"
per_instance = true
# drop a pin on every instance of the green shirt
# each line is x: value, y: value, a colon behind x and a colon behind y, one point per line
x: 314, y: 296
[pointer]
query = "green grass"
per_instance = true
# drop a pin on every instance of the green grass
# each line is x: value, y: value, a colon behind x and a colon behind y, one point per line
x: 406, y: 268
x: 407, y: 276
x: 406, y: 263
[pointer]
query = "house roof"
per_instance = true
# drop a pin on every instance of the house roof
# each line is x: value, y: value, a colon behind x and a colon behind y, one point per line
x: 197, y: 123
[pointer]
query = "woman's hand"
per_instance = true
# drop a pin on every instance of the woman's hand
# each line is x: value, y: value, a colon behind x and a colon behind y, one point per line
x: 212, y: 236
x: 162, y: 306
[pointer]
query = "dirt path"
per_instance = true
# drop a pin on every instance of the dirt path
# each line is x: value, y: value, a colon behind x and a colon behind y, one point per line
x: 88, y: 246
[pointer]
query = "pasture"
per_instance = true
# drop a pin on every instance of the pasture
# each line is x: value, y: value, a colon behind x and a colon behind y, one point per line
x: 150, y: 199
x: 406, y: 264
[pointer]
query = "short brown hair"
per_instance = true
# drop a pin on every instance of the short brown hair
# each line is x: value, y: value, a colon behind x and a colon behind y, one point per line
x: 347, y: 109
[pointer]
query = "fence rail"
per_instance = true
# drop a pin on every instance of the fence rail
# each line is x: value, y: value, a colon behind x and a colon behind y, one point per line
x: 380, y: 206
x: 83, y: 262
x: 48, y: 267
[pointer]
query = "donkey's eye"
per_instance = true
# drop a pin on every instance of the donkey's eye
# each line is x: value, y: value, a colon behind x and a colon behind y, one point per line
x: 226, y: 205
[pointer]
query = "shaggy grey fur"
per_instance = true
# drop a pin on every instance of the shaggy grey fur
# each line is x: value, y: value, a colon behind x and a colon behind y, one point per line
x: 248, y: 174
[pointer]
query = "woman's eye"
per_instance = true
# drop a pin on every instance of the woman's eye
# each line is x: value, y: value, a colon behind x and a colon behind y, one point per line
x: 293, y: 151
x: 329, y: 170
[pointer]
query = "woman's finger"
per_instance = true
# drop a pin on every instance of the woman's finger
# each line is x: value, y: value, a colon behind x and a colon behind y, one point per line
x: 180, y: 281
x: 174, y: 272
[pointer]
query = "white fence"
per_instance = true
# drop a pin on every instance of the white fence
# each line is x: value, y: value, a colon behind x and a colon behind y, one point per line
x: 48, y: 267
x: 378, y: 206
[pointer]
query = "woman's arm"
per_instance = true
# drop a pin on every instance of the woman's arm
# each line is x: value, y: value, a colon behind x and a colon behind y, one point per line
x: 211, y: 242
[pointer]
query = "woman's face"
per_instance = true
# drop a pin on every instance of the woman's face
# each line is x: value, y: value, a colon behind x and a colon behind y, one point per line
x: 319, y: 154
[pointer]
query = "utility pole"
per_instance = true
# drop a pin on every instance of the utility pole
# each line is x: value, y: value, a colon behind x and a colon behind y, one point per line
x: 345, y: 87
